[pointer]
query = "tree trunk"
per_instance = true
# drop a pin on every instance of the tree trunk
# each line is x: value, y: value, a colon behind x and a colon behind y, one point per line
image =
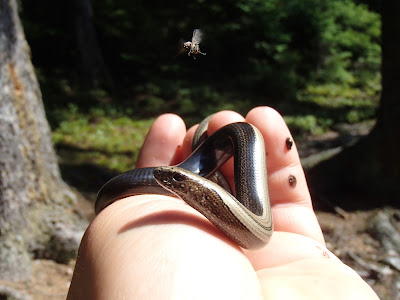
x: 93, y: 71
x: 36, y: 218
x: 368, y: 174
x: 388, y: 126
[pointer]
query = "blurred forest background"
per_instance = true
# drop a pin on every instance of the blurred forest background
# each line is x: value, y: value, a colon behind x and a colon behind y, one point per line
x: 105, y: 70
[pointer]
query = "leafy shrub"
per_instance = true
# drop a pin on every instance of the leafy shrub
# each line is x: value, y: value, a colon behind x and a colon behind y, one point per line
x: 320, y: 52
x: 350, y: 42
x: 307, y: 124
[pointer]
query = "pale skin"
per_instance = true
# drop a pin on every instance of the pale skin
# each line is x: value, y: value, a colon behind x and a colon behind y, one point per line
x: 157, y: 247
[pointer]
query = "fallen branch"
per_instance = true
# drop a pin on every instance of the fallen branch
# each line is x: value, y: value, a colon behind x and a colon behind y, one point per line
x: 382, y: 271
x: 383, y: 230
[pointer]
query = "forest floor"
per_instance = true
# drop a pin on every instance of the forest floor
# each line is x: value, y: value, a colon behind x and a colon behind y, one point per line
x: 347, y: 233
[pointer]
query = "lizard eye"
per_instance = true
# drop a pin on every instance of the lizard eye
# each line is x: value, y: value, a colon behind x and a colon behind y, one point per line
x: 178, y: 177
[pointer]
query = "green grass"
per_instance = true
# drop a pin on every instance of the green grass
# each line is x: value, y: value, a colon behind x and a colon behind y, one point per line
x: 111, y: 137
x: 307, y: 124
x: 108, y: 141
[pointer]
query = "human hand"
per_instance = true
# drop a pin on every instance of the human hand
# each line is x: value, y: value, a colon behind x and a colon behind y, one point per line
x: 153, y: 246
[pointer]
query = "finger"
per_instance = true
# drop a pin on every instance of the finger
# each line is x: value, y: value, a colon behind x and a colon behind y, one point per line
x: 187, y: 142
x: 162, y: 143
x: 314, y: 279
x: 217, y: 121
x: 286, y: 247
x: 291, y: 203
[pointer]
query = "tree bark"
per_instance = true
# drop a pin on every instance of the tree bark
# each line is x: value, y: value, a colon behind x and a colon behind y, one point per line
x: 368, y: 174
x: 35, y: 204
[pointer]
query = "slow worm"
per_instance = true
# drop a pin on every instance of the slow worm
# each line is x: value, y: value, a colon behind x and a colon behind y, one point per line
x: 245, y: 218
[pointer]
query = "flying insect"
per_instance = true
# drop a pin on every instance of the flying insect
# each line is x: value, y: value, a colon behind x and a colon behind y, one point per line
x: 193, y: 47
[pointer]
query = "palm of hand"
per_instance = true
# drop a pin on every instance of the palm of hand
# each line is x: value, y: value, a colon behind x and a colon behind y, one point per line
x: 164, y: 247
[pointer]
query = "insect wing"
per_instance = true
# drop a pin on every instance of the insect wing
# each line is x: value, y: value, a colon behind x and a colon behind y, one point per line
x: 197, y: 34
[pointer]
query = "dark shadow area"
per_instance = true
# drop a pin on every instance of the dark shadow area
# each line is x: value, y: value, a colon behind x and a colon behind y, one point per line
x: 177, y: 217
x: 353, y: 180
x: 86, y: 178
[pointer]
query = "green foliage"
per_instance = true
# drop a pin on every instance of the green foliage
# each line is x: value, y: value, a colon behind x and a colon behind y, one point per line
x: 329, y: 104
x: 317, y: 61
x: 269, y: 47
x: 336, y: 96
x: 351, y: 52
